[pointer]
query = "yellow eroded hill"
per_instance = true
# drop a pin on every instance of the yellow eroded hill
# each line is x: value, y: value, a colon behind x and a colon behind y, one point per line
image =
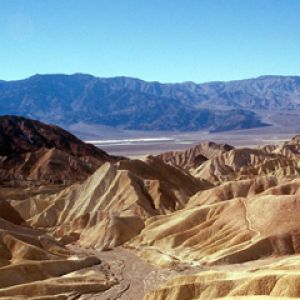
x: 115, y: 197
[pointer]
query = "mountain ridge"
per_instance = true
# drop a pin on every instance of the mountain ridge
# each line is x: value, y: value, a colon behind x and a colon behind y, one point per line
x: 154, y: 81
x: 134, y: 104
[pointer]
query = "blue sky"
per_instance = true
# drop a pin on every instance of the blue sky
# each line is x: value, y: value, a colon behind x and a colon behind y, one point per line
x: 163, y: 40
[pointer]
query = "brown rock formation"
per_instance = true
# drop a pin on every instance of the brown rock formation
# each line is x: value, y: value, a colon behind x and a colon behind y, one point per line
x: 195, y: 156
x: 232, y: 214
x: 32, y: 263
x: 32, y: 151
x: 114, y: 198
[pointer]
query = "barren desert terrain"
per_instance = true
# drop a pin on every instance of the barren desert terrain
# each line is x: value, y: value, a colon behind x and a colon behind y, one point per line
x: 213, y: 221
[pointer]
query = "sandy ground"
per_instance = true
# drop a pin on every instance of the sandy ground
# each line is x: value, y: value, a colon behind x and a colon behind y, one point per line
x: 136, y: 277
x: 283, y: 126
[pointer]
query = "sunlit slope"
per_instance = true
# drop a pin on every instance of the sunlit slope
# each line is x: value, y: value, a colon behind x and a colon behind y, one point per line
x: 33, y: 263
x: 110, y: 207
x: 278, y: 281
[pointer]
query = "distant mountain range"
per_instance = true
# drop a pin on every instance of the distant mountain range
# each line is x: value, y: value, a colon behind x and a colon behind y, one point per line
x: 129, y: 103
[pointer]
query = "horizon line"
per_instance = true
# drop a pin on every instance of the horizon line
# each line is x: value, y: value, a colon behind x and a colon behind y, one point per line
x: 148, y: 81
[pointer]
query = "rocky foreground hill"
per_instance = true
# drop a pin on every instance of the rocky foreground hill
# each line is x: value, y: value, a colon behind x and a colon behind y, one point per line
x: 211, y: 222
x: 33, y: 151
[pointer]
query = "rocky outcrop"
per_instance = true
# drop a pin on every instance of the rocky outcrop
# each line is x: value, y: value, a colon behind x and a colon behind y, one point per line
x: 32, y: 151
x: 195, y: 156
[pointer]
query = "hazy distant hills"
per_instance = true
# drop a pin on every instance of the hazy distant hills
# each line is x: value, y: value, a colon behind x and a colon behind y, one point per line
x: 129, y: 103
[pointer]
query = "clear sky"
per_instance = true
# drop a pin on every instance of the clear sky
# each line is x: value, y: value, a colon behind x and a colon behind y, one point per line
x: 163, y: 40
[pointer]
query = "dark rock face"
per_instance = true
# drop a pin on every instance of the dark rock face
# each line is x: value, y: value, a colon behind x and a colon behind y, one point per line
x: 20, y: 135
x: 31, y: 150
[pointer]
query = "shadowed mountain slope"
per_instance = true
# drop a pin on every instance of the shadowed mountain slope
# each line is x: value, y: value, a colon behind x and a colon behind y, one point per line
x: 31, y: 150
x: 21, y: 135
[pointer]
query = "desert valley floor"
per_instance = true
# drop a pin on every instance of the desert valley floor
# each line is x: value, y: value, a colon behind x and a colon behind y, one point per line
x: 212, y: 221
